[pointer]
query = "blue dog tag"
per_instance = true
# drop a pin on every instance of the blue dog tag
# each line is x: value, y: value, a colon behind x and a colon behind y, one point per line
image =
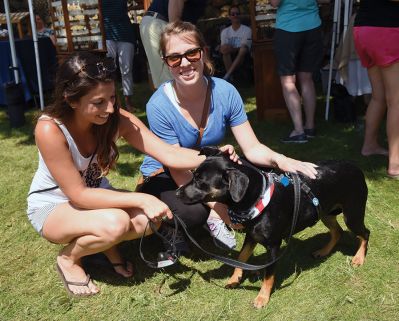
x: 285, y: 181
x: 315, y: 201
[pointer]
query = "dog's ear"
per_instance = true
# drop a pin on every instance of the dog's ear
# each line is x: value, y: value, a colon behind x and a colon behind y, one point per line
x: 238, y: 184
x: 210, y: 151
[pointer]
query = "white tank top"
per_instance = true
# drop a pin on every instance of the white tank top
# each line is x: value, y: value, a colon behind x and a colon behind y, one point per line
x: 87, y: 166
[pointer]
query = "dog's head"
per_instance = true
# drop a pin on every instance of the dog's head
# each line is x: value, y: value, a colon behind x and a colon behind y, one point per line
x: 216, y: 179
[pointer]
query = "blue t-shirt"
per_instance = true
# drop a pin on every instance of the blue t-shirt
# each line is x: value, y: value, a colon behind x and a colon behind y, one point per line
x: 298, y: 15
x: 166, y: 121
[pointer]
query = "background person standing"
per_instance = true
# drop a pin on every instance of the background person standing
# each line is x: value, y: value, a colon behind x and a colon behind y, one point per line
x: 376, y: 35
x: 120, y: 39
x: 298, y: 46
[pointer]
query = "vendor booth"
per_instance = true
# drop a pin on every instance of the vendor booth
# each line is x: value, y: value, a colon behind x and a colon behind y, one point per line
x: 269, y: 98
x: 78, y: 26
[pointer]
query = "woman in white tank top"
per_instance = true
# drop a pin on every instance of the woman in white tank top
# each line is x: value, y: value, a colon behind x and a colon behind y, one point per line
x: 70, y: 200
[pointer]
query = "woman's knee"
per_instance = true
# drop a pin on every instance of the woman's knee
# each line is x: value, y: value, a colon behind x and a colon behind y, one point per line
x: 116, y: 223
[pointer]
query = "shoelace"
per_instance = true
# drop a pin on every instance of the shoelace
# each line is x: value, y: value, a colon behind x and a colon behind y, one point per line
x: 215, y: 223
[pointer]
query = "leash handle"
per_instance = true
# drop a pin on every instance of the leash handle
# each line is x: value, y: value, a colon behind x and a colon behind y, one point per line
x: 155, y: 231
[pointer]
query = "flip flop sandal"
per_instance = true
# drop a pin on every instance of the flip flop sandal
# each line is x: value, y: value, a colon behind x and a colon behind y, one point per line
x: 67, y: 283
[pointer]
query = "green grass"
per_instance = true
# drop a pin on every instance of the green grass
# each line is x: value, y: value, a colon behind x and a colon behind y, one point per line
x: 305, y: 289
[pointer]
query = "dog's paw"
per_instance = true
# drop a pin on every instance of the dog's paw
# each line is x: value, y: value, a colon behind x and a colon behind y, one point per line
x: 358, y: 260
x: 260, y: 301
x: 233, y: 283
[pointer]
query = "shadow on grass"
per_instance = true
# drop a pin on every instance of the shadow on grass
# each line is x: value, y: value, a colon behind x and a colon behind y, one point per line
x: 101, y: 270
x: 298, y: 258
x: 24, y: 134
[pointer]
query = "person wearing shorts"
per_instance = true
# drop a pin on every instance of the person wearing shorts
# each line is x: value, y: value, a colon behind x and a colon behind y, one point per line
x: 376, y: 36
x: 298, y: 49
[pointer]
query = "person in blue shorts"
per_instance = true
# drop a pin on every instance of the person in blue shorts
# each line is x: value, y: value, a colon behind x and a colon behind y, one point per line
x: 174, y: 114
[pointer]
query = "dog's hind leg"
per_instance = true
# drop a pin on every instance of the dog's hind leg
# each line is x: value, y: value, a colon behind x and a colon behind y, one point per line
x: 245, y: 254
x: 355, y: 223
x: 263, y: 296
x: 360, y: 255
x: 330, y: 221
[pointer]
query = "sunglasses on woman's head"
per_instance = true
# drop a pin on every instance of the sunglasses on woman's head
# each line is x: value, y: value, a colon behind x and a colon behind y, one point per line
x: 98, y: 69
x: 174, y: 60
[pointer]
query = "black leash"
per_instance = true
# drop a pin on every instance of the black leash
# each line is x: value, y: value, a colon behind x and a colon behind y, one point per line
x: 226, y: 260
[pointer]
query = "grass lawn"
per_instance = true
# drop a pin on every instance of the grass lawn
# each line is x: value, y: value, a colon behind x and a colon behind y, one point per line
x: 305, y: 289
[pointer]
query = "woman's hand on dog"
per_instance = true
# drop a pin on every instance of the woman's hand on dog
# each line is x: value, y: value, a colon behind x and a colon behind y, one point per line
x: 287, y: 164
x: 229, y: 149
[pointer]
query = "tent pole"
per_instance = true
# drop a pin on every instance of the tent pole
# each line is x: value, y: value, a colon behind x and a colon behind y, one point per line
x: 36, y: 47
x: 334, y: 34
x: 12, y: 42
x: 346, y: 17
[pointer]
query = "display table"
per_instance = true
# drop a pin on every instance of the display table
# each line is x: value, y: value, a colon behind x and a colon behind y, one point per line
x: 27, y: 65
x: 18, y: 18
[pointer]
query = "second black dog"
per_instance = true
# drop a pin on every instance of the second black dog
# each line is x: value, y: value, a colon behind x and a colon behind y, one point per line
x: 339, y: 187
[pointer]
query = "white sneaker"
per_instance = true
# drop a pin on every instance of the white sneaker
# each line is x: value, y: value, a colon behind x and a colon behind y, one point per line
x: 222, y: 236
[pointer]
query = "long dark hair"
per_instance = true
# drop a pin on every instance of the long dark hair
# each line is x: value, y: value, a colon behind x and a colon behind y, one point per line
x: 190, y: 32
x: 70, y: 86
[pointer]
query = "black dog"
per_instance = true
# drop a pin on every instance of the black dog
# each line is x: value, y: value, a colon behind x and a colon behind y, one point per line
x: 339, y: 187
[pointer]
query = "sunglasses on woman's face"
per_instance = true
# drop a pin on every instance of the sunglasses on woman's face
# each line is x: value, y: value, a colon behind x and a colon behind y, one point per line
x: 99, y: 69
x: 174, y: 60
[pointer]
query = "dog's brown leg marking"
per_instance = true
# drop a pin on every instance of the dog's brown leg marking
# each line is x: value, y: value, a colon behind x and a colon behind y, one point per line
x: 335, y: 233
x: 360, y: 255
x: 263, y: 296
x: 245, y: 254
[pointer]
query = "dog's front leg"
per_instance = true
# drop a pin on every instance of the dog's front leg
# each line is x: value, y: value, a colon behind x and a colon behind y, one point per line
x: 245, y: 254
x: 263, y: 296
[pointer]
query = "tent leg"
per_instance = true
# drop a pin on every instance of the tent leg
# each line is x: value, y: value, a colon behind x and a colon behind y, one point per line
x: 332, y: 49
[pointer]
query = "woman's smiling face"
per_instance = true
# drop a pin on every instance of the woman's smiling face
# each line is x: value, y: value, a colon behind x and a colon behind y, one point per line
x: 96, y: 106
x: 187, y: 73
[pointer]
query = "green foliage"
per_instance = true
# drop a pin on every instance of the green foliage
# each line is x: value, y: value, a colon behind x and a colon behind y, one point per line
x: 305, y: 289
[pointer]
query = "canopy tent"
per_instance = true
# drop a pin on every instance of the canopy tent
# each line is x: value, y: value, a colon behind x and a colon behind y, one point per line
x: 35, y: 44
